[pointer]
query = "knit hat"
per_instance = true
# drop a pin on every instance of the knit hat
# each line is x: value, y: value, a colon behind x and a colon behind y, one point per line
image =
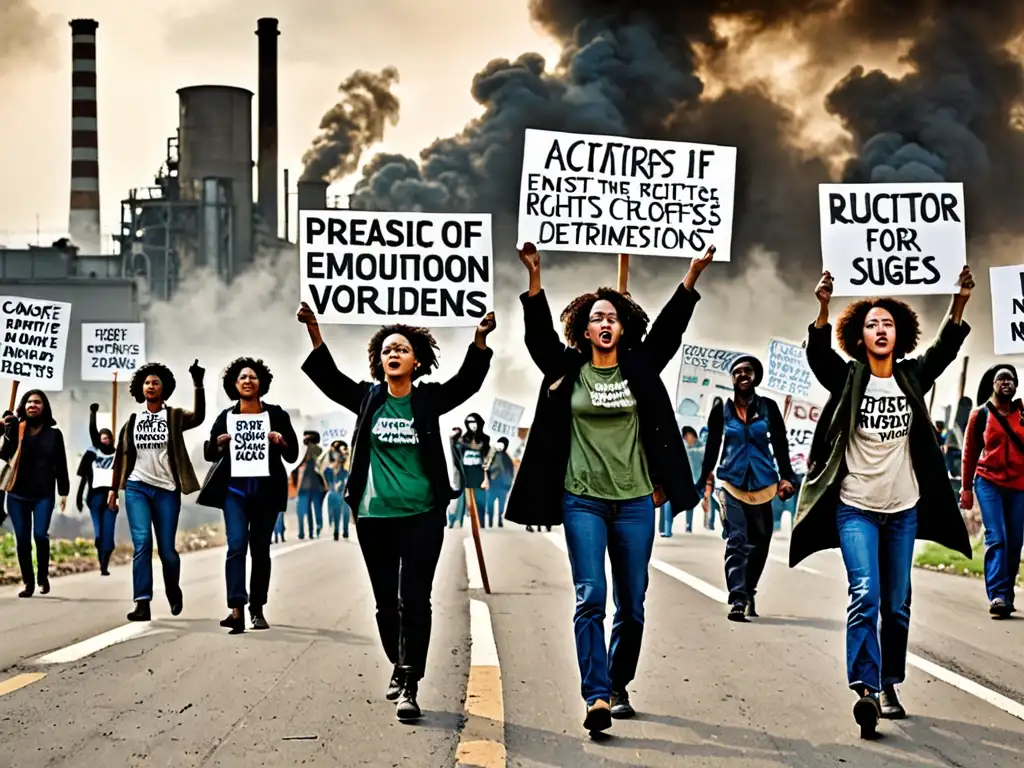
x: 754, y: 363
x: 988, y: 379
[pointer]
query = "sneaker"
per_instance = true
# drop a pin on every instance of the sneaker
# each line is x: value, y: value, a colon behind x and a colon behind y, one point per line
x: 599, y: 717
x: 141, y: 612
x: 257, y: 618
x: 620, y: 707
x: 891, y: 706
x: 395, y: 685
x: 738, y: 611
x: 407, y: 708
x: 751, y: 613
x: 235, y: 623
x: 999, y: 608
x: 866, y: 712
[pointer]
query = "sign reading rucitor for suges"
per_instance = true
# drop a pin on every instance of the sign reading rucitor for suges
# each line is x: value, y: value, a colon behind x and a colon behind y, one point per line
x: 371, y: 268
x: 893, y: 239
x: 609, y: 194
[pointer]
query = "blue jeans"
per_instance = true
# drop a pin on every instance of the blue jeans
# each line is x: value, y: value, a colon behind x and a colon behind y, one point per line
x: 309, y: 503
x: 1002, y: 512
x: 462, y: 507
x: 152, y: 509
x: 248, y: 525
x: 878, y: 550
x: 30, y: 519
x: 338, y: 513
x: 625, y: 530
x: 103, y: 520
x: 279, y: 528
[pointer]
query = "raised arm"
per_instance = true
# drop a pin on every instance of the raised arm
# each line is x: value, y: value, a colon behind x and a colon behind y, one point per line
x: 322, y: 370
x: 825, y: 363
x: 470, y: 377
x: 195, y: 417
x: 94, y: 433
x: 542, y: 341
x: 780, y: 442
x: 951, y: 336
x: 666, y: 334
x: 712, y: 446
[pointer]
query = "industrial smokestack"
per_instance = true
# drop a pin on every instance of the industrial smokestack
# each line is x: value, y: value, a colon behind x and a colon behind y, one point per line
x: 266, y: 31
x: 84, y: 214
x: 312, y: 194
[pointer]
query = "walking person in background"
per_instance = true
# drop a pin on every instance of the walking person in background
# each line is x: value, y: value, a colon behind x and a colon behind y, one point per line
x: 153, y: 468
x: 312, y: 487
x: 97, y: 472
x: 749, y: 433
x: 500, y: 471
x: 335, y: 475
x: 603, y: 452
x: 875, y: 460
x: 38, y: 466
x: 399, y: 484
x: 993, y: 472
x: 250, y: 504
x: 470, y: 450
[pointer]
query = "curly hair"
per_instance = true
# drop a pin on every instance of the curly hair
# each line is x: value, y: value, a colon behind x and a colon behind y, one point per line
x: 159, y: 370
x: 424, y: 349
x: 576, y: 317
x: 234, y: 370
x: 850, y: 327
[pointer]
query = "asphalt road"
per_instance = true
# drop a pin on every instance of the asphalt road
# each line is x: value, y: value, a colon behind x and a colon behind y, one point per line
x: 310, y: 691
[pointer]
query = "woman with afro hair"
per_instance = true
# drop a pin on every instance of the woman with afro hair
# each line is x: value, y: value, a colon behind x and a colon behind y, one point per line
x: 876, y: 478
x: 603, y: 452
x: 398, y: 486
x: 250, y: 504
x: 153, y: 468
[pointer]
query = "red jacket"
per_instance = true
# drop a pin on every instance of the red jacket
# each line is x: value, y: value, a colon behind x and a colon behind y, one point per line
x: 997, y: 458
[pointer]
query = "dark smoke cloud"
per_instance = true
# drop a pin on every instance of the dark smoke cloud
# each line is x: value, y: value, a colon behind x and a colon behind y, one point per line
x: 25, y: 34
x: 352, y: 125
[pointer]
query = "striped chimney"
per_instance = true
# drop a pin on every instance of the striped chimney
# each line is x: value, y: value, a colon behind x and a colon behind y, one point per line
x: 84, y: 215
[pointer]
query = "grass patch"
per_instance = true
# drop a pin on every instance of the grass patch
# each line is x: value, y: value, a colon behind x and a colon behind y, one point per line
x: 937, y: 558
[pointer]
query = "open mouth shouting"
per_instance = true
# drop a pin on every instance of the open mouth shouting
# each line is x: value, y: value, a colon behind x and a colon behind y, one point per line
x: 605, y: 337
x: 394, y: 365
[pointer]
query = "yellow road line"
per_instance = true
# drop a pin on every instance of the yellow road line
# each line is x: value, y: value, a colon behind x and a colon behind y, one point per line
x: 20, y: 681
x: 482, y: 742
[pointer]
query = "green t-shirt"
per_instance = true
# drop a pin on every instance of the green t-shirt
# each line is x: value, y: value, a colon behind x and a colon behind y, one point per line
x: 397, y: 484
x: 606, y: 457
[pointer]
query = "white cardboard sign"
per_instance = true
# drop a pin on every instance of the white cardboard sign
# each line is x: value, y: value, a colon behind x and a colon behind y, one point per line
x: 370, y: 268
x: 788, y: 371
x: 505, y: 418
x: 109, y: 348
x: 1007, y: 309
x: 610, y: 194
x: 250, y: 444
x: 34, y: 344
x: 893, y: 239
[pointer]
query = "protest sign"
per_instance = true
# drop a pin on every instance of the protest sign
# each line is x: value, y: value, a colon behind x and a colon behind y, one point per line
x: 1007, y: 309
x: 334, y: 426
x: 788, y: 371
x: 893, y: 239
x: 801, y: 419
x: 368, y: 268
x: 704, y: 374
x: 109, y: 348
x: 250, y: 444
x: 505, y: 418
x: 35, y: 341
x: 610, y: 194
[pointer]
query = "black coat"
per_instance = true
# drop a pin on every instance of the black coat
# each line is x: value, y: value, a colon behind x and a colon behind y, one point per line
x: 536, y: 497
x: 273, y: 489
x: 430, y: 400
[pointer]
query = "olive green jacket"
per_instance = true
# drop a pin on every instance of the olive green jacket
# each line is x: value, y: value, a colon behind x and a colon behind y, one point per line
x: 939, y: 517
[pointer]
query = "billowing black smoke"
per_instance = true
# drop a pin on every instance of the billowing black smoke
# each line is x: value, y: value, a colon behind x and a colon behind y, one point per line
x: 352, y: 125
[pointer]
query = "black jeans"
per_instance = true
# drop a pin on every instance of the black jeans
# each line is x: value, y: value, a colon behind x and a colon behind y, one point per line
x: 748, y: 531
x: 401, y: 555
x: 249, y: 524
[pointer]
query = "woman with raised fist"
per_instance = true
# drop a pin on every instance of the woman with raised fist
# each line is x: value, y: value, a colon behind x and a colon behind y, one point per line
x: 875, y: 461
x: 96, y: 470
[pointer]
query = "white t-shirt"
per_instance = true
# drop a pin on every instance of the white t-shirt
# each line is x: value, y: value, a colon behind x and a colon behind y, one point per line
x: 881, y: 476
x: 152, y: 464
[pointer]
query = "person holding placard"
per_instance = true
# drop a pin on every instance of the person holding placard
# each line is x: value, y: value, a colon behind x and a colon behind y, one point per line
x: 748, y: 444
x: 603, y: 452
x: 97, y: 472
x: 874, y: 463
x: 398, y: 486
x: 153, y: 468
x: 249, y: 445
x: 37, y: 466
x: 993, y: 472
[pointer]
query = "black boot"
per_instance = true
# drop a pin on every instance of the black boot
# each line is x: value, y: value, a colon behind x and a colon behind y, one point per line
x: 621, y: 708
x: 235, y: 621
x: 738, y: 611
x: 44, y: 585
x: 177, y: 602
x: 892, y: 707
x: 408, y: 708
x: 867, y: 712
x: 259, y: 621
x: 395, y: 685
x: 141, y: 612
x: 28, y: 591
x: 751, y: 613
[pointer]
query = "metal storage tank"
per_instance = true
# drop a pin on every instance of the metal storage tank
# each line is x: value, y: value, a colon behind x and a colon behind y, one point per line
x: 215, y: 140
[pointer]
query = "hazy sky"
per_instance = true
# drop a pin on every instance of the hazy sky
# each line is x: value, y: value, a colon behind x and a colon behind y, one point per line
x: 146, y: 51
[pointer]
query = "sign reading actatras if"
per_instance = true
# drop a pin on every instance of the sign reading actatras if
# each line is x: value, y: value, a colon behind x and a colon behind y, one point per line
x: 34, y: 342
x: 1007, y: 309
x: 788, y: 370
x: 370, y: 268
x: 893, y: 239
x: 601, y: 194
x: 109, y: 348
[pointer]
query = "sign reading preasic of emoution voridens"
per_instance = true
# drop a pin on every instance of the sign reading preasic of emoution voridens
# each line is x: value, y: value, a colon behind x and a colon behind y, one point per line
x: 893, y: 239
x: 610, y: 194
x: 371, y: 268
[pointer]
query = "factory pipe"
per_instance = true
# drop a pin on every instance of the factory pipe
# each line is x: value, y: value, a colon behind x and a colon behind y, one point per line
x: 84, y: 211
x: 267, y: 32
